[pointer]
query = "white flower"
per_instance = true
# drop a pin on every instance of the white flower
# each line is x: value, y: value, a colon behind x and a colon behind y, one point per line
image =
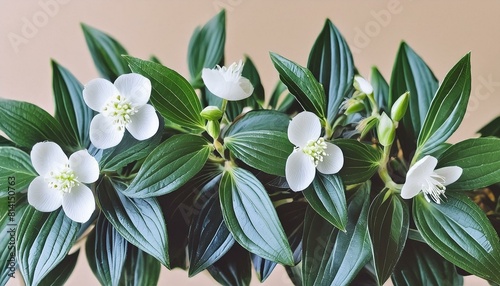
x: 227, y: 82
x: 122, y: 105
x: 423, y: 177
x: 61, y: 181
x: 311, y: 152
x: 362, y: 85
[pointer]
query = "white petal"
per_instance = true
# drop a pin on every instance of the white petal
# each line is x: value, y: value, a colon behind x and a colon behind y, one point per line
x: 411, y: 188
x: 450, y: 174
x: 332, y: 163
x: 144, y: 123
x: 363, y: 85
x: 246, y: 87
x: 304, y: 126
x: 423, y: 169
x: 79, y: 203
x: 103, y: 133
x: 97, y: 92
x: 299, y: 171
x: 85, y: 166
x: 134, y: 87
x: 42, y: 197
x: 215, y: 82
x: 47, y: 156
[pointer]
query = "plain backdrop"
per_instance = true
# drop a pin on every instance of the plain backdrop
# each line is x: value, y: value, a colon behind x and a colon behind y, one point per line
x: 440, y: 31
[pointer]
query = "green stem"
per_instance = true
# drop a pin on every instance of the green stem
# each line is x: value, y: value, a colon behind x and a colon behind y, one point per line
x: 373, y: 103
x: 384, y: 173
x: 224, y: 105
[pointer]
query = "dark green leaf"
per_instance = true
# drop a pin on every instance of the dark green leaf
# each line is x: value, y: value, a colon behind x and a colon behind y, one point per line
x: 139, y: 221
x: 106, y: 53
x: 491, y: 129
x: 233, y: 269
x: 27, y: 124
x: 250, y: 216
x: 250, y: 72
x: 479, y: 159
x: 5, y: 142
x: 282, y: 100
x: 360, y: 161
x: 380, y: 89
x: 259, y: 120
x: 60, y: 274
x: 140, y: 269
x: 330, y: 61
x: 447, y: 108
x: 459, y: 231
x: 169, y: 166
x: 388, y: 223
x: 16, y: 171
x: 38, y: 252
x: 326, y: 196
x: 332, y: 257
x: 302, y: 84
x: 172, y: 95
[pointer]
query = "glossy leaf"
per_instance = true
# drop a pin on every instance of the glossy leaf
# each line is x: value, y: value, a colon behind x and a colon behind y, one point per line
x: 302, y: 84
x: 250, y: 72
x: 380, y: 89
x: 332, y: 257
x: 169, y: 166
x: 282, y: 100
x: 233, y: 269
x: 479, y: 159
x: 106, y: 53
x: 491, y: 129
x: 459, y: 231
x: 172, y: 95
x: 60, y: 274
x: 447, y: 109
x: 330, y: 61
x: 139, y: 221
x: 259, y: 120
x: 388, y: 223
x: 16, y: 170
x: 250, y: 216
x: 140, y: 269
x: 326, y: 196
x: 360, y: 161
x: 38, y: 252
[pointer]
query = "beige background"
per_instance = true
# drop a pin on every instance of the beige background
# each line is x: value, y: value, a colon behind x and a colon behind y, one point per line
x: 440, y: 31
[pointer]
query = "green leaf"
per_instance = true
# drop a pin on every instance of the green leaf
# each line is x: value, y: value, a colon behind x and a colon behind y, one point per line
x: 491, y: 129
x: 172, y: 95
x: 71, y: 110
x: 380, y: 89
x: 459, y: 231
x: 332, y: 257
x: 388, y: 223
x: 169, y: 166
x: 233, y: 269
x: 250, y: 216
x: 302, y: 84
x: 206, y: 47
x: 250, y: 72
x: 423, y: 266
x: 106, y: 252
x: 447, y: 109
x: 209, y: 239
x: 479, y: 159
x: 139, y: 221
x: 38, y: 252
x: 27, y: 124
x: 140, y: 269
x: 282, y: 100
x: 330, y: 61
x: 5, y: 142
x: 16, y: 171
x: 106, y: 53
x: 326, y: 196
x: 259, y: 120
x: 60, y: 274
x: 361, y: 161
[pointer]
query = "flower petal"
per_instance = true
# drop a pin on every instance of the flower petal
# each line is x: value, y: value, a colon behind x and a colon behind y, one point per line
x: 42, y: 197
x: 85, y: 166
x: 97, y: 92
x: 144, y: 123
x: 103, y: 133
x: 304, y: 126
x: 411, y: 188
x: 214, y: 82
x: 79, y: 203
x: 363, y: 85
x: 333, y: 162
x: 299, y: 170
x: 423, y: 169
x: 450, y: 174
x: 134, y: 87
x: 47, y: 156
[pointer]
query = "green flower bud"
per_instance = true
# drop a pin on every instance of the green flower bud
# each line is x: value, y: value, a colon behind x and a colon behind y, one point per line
x: 385, y: 130
x: 366, y: 125
x: 211, y: 113
x: 353, y: 105
x: 399, y: 107
x: 213, y: 128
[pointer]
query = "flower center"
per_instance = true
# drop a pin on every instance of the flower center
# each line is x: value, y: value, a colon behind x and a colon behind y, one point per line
x: 233, y: 72
x: 316, y: 150
x: 120, y: 109
x: 433, y: 187
x: 63, y: 180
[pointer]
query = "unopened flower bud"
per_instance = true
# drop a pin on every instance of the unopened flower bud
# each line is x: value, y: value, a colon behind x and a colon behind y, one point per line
x: 399, y: 107
x: 353, y: 105
x: 366, y: 125
x: 213, y: 128
x: 385, y: 130
x: 211, y: 113
x: 362, y: 85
